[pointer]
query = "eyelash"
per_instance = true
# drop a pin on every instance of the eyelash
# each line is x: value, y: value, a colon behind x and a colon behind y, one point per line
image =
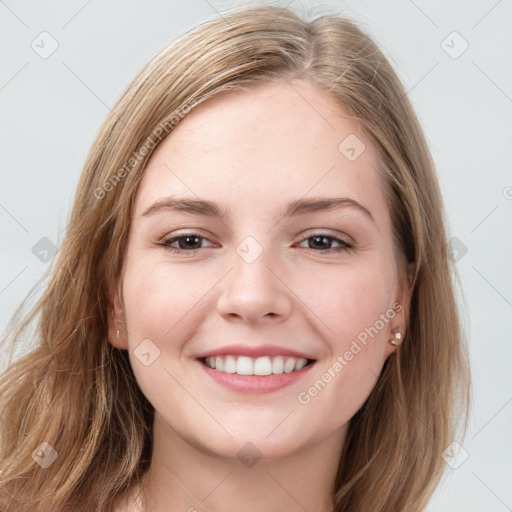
x: 344, y: 246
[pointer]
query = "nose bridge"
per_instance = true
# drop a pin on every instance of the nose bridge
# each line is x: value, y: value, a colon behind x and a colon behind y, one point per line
x: 252, y: 289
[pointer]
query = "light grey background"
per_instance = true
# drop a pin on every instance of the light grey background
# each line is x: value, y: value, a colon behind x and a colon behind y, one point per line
x: 52, y: 108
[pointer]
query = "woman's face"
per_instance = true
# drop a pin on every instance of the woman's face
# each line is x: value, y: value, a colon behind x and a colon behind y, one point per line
x: 268, y: 273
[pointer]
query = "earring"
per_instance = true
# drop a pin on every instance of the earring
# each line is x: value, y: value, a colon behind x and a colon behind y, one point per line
x: 393, y: 342
x: 117, y: 333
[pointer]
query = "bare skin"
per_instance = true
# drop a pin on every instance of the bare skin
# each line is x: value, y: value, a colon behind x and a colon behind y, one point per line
x: 253, y: 152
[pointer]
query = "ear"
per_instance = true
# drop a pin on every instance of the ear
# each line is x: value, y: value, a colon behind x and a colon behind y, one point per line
x: 117, y: 333
x: 401, y: 306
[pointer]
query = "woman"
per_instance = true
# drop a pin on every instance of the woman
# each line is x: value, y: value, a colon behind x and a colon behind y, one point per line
x: 253, y: 304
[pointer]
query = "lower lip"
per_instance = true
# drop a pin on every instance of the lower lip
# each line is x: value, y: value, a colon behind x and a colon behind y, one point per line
x: 255, y: 384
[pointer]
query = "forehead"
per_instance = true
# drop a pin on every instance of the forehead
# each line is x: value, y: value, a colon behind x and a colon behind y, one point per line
x: 276, y: 141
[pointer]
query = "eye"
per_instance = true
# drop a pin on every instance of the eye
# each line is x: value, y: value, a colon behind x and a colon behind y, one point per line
x: 187, y: 242
x: 320, y: 241
x: 191, y: 242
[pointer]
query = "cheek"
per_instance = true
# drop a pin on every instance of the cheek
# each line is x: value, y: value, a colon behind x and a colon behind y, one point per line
x: 355, y: 309
x: 156, y: 298
x: 352, y: 300
x: 160, y: 306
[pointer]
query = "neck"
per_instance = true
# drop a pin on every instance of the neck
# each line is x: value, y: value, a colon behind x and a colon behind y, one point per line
x: 194, y: 479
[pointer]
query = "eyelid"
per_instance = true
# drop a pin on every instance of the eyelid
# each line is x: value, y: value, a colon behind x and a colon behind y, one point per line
x: 175, y: 235
x: 330, y: 233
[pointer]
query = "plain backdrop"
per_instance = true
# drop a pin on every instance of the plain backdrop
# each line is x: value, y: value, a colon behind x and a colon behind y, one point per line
x: 64, y: 64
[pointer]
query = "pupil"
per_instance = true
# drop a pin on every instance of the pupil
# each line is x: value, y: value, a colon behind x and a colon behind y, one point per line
x: 317, y: 238
x: 188, y: 241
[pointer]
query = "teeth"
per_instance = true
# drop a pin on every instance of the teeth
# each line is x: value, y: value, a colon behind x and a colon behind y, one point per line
x: 300, y: 364
x: 289, y: 364
x: 243, y: 365
x: 262, y: 366
x: 229, y: 364
x: 277, y: 365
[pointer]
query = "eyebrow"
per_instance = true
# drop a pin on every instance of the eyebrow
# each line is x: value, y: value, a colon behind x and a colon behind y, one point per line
x: 299, y: 207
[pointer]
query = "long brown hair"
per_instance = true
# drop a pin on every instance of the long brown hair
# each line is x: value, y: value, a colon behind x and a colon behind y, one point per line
x: 74, y: 397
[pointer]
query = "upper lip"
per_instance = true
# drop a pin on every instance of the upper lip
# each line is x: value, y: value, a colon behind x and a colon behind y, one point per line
x: 253, y: 351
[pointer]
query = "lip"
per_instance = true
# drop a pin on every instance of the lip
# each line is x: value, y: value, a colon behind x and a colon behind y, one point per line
x: 254, y: 351
x: 254, y: 384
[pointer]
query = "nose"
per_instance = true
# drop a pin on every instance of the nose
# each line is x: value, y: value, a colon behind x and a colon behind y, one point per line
x: 255, y: 292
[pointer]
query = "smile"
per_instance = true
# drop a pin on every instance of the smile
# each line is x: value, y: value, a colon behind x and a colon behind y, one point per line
x: 260, y: 366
